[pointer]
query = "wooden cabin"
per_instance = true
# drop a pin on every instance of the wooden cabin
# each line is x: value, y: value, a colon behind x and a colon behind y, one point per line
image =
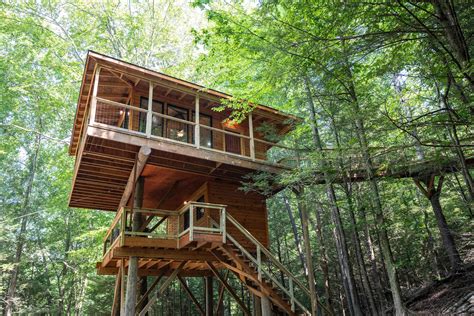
x: 153, y: 149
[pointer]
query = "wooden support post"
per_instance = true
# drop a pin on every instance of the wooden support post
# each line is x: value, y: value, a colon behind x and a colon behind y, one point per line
x: 209, y: 293
x: 197, y: 128
x: 228, y: 288
x: 223, y: 225
x: 191, y: 296
x: 94, y: 96
x: 116, y: 302
x: 292, y: 295
x: 122, y: 287
x: 257, y: 305
x: 191, y: 222
x: 149, y: 114
x: 259, y: 263
x: 266, y: 306
x: 252, y: 139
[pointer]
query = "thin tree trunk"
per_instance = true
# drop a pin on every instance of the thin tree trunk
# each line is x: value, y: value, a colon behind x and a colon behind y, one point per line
x: 299, y: 247
x: 20, y: 240
x: 432, y: 192
x: 308, y: 253
x: 324, y: 261
x: 132, y: 278
x: 346, y: 271
x: 383, y: 235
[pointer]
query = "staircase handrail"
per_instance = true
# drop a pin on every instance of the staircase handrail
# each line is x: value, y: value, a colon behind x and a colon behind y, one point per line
x: 266, y: 252
x: 273, y: 259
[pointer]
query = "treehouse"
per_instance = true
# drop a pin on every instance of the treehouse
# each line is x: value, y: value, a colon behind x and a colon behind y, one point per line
x: 152, y: 149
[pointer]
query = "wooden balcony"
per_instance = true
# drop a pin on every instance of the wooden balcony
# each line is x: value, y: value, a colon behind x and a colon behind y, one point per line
x: 123, y: 107
x: 211, y: 242
x: 165, y: 237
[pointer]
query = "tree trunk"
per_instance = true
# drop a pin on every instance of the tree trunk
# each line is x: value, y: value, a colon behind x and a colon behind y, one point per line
x: 346, y: 271
x: 383, y: 235
x: 132, y: 279
x: 308, y: 253
x: 360, y: 257
x: 299, y: 248
x: 432, y: 192
x: 324, y: 261
x: 20, y: 241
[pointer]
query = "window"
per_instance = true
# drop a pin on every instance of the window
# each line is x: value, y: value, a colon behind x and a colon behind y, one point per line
x: 177, y: 130
x: 205, y: 135
x: 156, y: 121
x: 232, y: 143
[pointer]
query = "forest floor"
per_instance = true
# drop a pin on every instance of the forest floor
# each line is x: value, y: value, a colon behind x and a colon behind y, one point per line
x: 451, y: 295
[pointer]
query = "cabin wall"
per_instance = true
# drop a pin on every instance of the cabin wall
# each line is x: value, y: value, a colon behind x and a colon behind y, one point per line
x: 249, y: 209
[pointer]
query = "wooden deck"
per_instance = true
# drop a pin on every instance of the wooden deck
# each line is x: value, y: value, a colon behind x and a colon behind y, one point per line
x: 161, y: 255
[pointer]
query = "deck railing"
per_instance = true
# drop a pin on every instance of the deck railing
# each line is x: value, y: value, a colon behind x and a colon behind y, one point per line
x: 150, y: 124
x: 155, y: 223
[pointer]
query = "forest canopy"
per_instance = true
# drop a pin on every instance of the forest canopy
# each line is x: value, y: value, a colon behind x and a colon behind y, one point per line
x: 381, y: 194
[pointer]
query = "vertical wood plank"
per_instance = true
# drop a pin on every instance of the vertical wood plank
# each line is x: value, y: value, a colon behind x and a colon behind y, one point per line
x: 197, y: 127
x: 149, y: 114
x: 252, y: 140
x: 94, y: 96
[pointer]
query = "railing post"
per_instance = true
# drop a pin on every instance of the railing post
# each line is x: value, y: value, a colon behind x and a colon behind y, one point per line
x: 292, y: 295
x: 259, y: 263
x: 197, y: 128
x: 94, y: 96
x: 122, y: 226
x: 252, y: 140
x: 191, y: 224
x: 223, y: 222
x: 149, y: 113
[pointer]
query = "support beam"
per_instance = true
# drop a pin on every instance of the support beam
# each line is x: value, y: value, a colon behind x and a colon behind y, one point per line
x: 142, y: 158
x: 116, y: 302
x: 228, y: 288
x: 191, y: 296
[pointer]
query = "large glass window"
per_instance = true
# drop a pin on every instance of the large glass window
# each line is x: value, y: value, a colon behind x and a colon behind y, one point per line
x: 205, y: 135
x: 177, y: 130
x: 156, y: 121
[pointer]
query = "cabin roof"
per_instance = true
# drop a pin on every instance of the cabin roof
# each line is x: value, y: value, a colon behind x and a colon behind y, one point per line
x: 94, y: 58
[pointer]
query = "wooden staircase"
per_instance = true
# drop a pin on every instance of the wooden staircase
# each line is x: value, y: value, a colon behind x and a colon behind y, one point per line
x: 261, y: 272
x: 242, y: 254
